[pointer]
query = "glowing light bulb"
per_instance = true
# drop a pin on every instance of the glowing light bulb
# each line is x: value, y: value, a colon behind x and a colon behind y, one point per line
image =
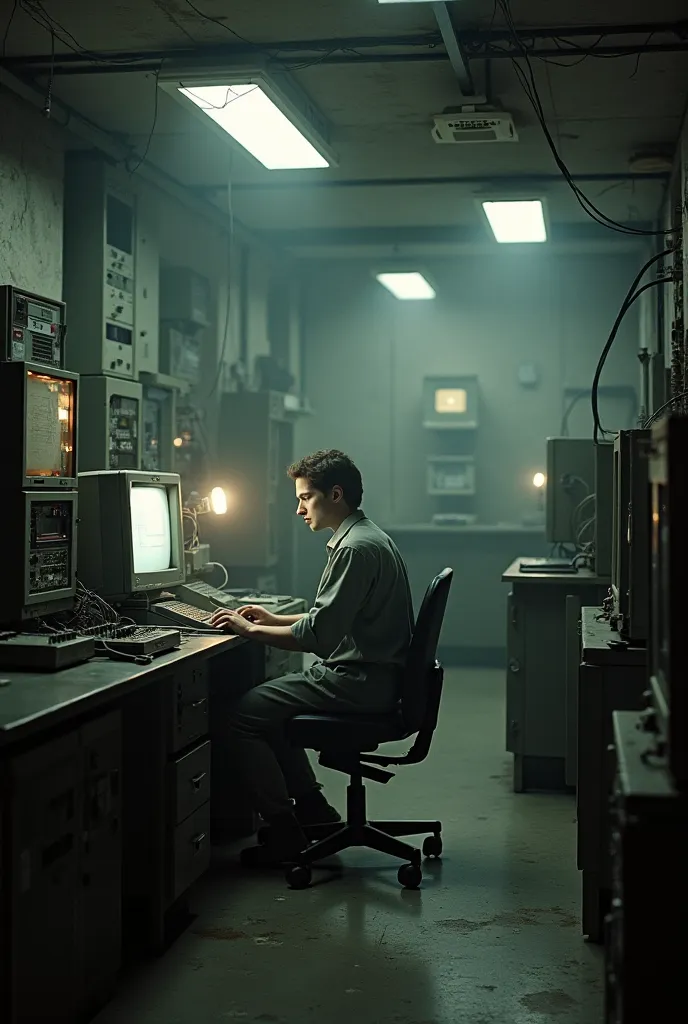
x: 539, y: 480
x: 178, y: 442
x: 218, y: 501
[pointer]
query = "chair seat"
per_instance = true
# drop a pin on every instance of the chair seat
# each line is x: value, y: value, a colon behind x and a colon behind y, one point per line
x: 345, y: 732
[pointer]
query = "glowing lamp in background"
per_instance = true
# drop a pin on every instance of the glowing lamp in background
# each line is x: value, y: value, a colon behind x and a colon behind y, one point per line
x: 218, y: 501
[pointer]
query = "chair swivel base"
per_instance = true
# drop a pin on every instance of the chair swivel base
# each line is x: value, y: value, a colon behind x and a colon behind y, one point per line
x: 358, y: 831
x: 373, y: 836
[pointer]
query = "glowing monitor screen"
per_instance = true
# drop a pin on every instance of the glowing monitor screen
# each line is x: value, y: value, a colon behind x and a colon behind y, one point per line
x: 451, y: 400
x: 50, y: 402
x: 150, y: 528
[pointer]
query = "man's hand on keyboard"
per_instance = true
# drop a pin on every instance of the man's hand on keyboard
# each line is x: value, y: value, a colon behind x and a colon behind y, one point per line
x: 256, y: 613
x: 230, y: 622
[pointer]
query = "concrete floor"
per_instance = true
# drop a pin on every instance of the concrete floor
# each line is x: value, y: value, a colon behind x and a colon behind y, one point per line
x: 493, y: 936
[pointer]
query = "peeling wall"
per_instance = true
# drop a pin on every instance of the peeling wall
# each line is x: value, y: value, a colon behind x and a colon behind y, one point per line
x: 31, y: 180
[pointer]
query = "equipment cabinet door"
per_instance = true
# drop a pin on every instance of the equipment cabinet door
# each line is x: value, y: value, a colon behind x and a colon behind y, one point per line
x: 515, y: 674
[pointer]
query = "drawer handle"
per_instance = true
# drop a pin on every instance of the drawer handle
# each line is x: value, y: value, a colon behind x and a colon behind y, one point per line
x: 197, y: 841
x: 197, y: 780
x: 195, y: 703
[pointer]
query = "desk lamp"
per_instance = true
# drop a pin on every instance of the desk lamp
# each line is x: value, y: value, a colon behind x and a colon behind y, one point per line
x: 196, y: 506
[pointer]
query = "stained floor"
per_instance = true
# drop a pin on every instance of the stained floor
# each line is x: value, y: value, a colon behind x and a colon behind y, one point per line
x: 492, y: 937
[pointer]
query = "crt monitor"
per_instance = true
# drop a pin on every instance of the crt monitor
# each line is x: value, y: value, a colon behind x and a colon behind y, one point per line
x: 130, y: 532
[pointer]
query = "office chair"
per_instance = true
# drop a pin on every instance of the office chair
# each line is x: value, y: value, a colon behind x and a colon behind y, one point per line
x: 345, y: 742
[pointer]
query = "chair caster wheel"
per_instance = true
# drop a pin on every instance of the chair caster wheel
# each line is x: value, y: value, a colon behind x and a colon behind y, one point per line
x: 410, y: 876
x: 432, y: 847
x: 298, y: 876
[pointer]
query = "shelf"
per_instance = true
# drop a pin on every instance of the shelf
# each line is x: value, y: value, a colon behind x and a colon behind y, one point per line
x: 451, y: 475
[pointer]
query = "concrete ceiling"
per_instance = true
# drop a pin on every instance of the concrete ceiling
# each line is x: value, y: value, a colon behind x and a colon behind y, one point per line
x: 391, y: 176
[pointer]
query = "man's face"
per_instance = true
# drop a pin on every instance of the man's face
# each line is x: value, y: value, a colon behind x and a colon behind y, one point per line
x: 319, y: 510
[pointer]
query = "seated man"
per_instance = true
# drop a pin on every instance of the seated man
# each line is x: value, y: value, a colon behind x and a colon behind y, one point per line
x: 359, y: 629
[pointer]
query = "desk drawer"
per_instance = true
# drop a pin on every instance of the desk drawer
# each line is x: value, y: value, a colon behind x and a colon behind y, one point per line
x: 191, y: 850
x: 190, y: 782
x: 188, y: 707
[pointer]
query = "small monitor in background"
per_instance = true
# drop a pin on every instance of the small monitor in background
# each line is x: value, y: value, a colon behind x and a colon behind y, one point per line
x: 450, y: 403
x: 130, y: 533
x: 450, y: 400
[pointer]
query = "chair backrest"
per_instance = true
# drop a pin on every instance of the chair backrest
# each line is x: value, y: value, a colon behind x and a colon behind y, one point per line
x: 420, y: 661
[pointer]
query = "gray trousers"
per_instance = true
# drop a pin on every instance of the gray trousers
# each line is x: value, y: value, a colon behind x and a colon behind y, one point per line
x: 274, y: 771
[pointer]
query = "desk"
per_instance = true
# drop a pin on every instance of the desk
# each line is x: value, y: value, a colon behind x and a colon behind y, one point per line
x: 610, y: 679
x: 105, y: 815
x: 36, y: 702
x: 536, y: 671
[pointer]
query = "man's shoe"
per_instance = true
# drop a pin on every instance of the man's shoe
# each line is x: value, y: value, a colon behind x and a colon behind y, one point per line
x: 284, y: 844
x: 314, y: 809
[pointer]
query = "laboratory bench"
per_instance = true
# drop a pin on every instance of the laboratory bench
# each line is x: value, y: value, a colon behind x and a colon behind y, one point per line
x: 537, y: 666
x: 113, y: 777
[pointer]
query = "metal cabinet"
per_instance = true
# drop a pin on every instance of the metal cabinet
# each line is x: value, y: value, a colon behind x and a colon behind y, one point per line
x: 43, y: 824
x: 536, y: 692
x: 610, y: 679
x: 515, y: 678
x: 60, y: 886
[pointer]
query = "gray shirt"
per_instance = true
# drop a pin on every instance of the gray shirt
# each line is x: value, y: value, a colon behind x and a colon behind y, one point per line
x: 361, y: 622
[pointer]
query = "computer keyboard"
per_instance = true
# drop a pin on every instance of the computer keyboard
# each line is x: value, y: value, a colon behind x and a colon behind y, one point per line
x: 182, y: 614
x: 209, y: 598
x: 133, y: 640
x: 206, y: 597
x: 254, y: 597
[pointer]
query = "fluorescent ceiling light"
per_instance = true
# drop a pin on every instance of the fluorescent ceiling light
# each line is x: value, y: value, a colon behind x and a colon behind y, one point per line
x: 248, y: 114
x: 521, y: 220
x: 262, y: 109
x: 411, y: 285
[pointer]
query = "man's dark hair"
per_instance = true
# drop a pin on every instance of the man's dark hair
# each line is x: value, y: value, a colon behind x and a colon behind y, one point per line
x: 327, y: 469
